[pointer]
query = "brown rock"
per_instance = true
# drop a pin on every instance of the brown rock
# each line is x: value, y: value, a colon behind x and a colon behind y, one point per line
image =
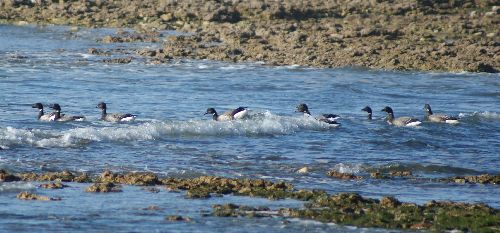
x: 103, y: 188
x: 31, y: 196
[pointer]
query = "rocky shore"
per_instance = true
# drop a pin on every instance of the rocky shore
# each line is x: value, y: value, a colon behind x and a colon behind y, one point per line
x: 396, y: 35
x: 342, y: 208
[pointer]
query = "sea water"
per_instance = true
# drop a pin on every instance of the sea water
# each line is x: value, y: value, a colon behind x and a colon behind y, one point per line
x: 172, y: 137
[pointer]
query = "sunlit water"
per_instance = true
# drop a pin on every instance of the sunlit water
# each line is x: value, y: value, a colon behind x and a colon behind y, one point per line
x: 171, y: 136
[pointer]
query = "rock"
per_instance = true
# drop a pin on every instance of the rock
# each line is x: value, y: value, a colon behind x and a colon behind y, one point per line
x: 152, y: 189
x: 303, y: 170
x: 122, y: 60
x: 400, y: 173
x: 83, y: 178
x: 178, y: 218
x: 152, y: 208
x: 167, y: 17
x: 56, y: 185
x: 389, y: 202
x: 31, y: 196
x: 103, y: 188
x: 378, y: 175
x: 343, y: 176
x: 6, y: 177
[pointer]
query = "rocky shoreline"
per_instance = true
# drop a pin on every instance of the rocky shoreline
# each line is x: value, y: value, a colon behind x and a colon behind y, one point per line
x: 395, y: 35
x: 342, y: 208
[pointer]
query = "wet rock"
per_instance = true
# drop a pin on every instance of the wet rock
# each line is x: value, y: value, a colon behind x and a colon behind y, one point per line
x: 389, y: 202
x: 129, y: 38
x: 56, y: 185
x: 481, y: 179
x: 100, y: 52
x: 122, y: 60
x: 378, y: 175
x: 139, y: 178
x: 64, y: 176
x: 103, y: 188
x: 198, y: 193
x: 400, y: 173
x: 152, y: 208
x: 83, y: 178
x: 232, y: 210
x: 6, y: 177
x: 178, y: 218
x: 201, y: 187
x: 31, y: 196
x: 152, y: 189
x: 343, y: 176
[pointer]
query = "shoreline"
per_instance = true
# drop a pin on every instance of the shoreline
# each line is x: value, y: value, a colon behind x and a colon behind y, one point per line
x: 349, y: 209
x: 417, y: 36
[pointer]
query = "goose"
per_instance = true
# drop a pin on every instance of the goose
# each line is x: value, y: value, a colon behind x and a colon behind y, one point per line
x: 327, y: 118
x: 369, y: 111
x: 41, y: 115
x: 63, y: 118
x: 439, y: 117
x: 114, y: 117
x: 237, y: 113
x: 400, y: 121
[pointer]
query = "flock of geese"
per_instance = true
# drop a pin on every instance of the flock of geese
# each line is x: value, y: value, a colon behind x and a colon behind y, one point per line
x: 241, y: 112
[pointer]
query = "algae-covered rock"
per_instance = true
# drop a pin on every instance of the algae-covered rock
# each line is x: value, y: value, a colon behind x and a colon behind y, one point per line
x: 83, y: 178
x: 56, y: 185
x: 103, y: 188
x: 139, y: 178
x: 31, y: 196
x: 7, y: 177
x: 178, y: 218
x: 232, y: 210
x: 65, y: 176
x: 343, y: 176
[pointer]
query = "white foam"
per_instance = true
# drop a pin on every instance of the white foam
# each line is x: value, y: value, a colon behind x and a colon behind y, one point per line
x: 15, y: 186
x: 258, y: 124
x: 482, y: 115
x: 347, y: 168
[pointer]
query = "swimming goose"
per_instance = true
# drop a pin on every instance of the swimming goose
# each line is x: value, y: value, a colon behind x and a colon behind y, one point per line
x: 237, y: 113
x: 439, y: 117
x: 327, y: 118
x: 59, y: 117
x: 369, y: 111
x: 41, y: 116
x: 114, y: 117
x: 400, y: 121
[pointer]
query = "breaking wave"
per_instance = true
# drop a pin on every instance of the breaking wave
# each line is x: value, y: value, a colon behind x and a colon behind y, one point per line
x: 262, y: 124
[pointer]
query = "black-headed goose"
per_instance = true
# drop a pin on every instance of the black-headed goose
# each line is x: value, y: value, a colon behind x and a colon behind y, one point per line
x: 62, y: 117
x: 237, y: 113
x: 41, y: 115
x: 327, y: 118
x: 114, y: 117
x: 369, y: 111
x: 400, y: 121
x: 439, y: 117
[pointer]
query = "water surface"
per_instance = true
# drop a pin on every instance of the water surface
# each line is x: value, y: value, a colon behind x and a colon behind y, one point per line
x: 171, y: 136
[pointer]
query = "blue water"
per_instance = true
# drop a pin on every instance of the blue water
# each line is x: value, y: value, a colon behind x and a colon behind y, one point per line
x: 171, y: 136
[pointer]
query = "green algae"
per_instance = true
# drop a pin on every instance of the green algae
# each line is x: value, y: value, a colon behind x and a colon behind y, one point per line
x: 342, y: 208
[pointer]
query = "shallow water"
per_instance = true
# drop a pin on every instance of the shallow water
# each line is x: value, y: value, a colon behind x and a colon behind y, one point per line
x: 171, y: 135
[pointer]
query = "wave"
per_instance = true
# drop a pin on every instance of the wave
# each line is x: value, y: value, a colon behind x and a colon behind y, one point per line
x: 261, y: 124
x: 395, y: 167
x: 486, y: 115
x: 15, y: 186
